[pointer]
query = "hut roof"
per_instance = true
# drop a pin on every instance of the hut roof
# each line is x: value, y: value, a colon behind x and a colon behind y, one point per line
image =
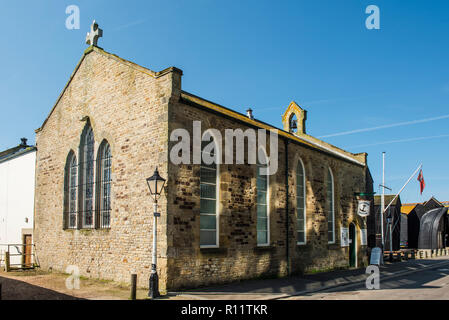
x: 429, y: 228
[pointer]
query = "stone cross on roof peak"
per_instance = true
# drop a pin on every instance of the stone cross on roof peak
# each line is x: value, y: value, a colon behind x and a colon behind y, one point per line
x: 94, y: 34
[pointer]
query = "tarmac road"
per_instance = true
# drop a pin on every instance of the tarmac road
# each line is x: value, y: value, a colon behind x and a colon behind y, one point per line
x: 428, y: 284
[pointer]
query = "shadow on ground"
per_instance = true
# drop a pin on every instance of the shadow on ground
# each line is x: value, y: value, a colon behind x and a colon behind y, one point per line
x: 414, y: 281
x: 320, y: 281
x: 18, y: 290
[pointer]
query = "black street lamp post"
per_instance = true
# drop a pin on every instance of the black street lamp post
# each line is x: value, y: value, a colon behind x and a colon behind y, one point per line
x: 156, y: 185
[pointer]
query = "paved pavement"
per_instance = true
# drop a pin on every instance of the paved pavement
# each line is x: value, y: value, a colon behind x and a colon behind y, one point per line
x: 336, y: 281
x: 40, y: 285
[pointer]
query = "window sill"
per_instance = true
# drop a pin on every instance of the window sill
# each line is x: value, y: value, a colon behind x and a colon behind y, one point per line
x: 87, y: 229
x: 262, y: 248
x: 213, y: 250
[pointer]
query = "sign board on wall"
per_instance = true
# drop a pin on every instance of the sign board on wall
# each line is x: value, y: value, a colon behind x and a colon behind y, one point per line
x: 364, y: 208
x: 363, y: 237
x: 344, y: 237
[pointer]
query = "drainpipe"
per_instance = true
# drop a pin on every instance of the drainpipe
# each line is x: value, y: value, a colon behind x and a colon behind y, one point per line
x: 287, y: 239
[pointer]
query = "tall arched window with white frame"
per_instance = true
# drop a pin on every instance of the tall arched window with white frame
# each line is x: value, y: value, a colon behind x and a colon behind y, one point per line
x: 301, y: 202
x: 263, y: 214
x: 330, y: 206
x: 104, y: 185
x: 209, y: 195
x: 87, y: 186
x: 71, y: 191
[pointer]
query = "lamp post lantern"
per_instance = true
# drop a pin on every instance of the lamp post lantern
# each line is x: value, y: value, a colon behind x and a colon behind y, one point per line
x: 155, y: 185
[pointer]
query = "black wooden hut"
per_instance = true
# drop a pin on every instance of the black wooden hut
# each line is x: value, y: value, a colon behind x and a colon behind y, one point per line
x: 433, y: 233
x: 414, y: 220
x: 404, y: 230
x: 394, y: 213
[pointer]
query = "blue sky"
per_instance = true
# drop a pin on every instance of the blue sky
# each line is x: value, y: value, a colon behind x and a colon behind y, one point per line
x: 260, y: 54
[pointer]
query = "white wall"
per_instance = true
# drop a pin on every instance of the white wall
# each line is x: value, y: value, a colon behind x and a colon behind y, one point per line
x: 16, y: 198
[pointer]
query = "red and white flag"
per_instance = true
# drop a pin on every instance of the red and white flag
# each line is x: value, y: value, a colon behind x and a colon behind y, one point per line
x: 422, y: 183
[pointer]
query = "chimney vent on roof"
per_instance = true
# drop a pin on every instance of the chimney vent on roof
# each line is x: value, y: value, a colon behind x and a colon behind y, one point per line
x: 249, y: 114
x: 24, y: 142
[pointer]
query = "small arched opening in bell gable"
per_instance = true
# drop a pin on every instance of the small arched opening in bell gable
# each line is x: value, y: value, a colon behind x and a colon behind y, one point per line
x: 294, y: 119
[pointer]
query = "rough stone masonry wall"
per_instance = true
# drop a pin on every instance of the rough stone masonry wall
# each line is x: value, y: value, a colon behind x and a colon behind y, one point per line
x: 129, y: 109
x: 238, y: 256
x: 317, y: 254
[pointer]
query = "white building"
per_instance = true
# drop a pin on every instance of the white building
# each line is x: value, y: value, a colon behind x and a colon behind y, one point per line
x: 17, y: 180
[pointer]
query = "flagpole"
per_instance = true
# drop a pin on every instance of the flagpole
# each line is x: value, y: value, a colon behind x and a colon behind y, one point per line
x: 382, y: 200
x: 411, y: 177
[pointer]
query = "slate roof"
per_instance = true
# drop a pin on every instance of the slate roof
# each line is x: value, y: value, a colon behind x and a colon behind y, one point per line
x: 15, y: 152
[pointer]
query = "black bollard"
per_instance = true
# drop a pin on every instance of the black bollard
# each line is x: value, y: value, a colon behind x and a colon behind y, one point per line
x: 133, y: 286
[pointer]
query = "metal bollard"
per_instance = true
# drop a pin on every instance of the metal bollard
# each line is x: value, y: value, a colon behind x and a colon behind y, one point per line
x: 133, y: 286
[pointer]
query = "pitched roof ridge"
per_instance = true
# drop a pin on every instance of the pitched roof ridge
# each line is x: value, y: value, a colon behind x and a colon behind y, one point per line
x: 99, y: 50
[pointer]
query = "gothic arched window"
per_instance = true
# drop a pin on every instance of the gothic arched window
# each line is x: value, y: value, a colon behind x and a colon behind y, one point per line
x: 87, y: 186
x: 104, y: 185
x: 301, y: 203
x: 330, y: 206
x: 71, y: 190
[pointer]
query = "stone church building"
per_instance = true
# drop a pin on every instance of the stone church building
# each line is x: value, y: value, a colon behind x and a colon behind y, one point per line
x: 108, y: 131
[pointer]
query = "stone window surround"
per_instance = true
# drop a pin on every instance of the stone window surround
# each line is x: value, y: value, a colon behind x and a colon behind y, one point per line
x: 96, y: 197
x: 101, y: 182
x: 217, y: 198
x: 300, y: 162
x: 87, y: 178
x: 268, y: 196
x: 72, y: 187
x: 70, y: 172
x: 331, y: 176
